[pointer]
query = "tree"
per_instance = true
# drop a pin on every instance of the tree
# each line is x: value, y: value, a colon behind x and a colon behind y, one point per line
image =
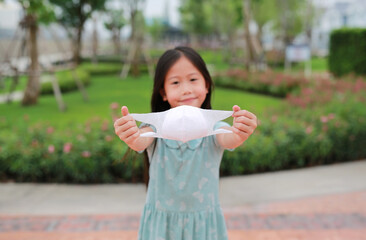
x: 286, y: 16
x: 290, y: 19
x: 263, y: 12
x: 225, y: 18
x: 115, y: 23
x: 137, y: 22
x: 156, y: 29
x: 73, y: 15
x: 133, y: 9
x: 36, y: 12
x: 251, y: 56
x: 195, y: 19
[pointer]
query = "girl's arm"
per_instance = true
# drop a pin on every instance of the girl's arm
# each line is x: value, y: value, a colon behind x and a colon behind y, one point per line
x: 127, y: 130
x: 244, y: 125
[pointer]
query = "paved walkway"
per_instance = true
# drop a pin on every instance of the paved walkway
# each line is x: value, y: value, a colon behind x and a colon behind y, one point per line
x: 317, y: 204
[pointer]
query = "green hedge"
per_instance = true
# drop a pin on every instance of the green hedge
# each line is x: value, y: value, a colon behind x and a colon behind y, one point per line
x: 92, y: 153
x: 66, y: 81
x: 89, y: 153
x: 268, y: 83
x: 347, y: 53
x: 102, y: 68
x: 306, y: 138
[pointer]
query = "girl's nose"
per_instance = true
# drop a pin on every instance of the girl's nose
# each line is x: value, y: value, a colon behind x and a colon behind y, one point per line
x: 186, y: 89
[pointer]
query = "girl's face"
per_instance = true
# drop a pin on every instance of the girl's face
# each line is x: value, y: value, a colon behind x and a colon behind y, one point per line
x: 184, y: 85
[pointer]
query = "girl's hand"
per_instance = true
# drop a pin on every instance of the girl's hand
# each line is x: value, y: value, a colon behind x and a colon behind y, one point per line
x: 126, y: 128
x: 244, y: 123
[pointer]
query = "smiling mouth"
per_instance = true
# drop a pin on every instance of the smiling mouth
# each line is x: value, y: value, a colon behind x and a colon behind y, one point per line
x: 188, y: 100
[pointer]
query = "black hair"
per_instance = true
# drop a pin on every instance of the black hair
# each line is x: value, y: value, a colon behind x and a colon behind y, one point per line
x: 166, y: 61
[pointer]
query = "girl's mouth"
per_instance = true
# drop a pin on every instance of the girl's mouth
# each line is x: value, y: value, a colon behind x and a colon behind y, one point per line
x: 188, y: 100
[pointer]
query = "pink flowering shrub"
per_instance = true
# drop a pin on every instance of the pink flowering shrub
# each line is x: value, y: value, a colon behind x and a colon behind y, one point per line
x: 269, y: 83
x: 324, y: 122
x: 83, y: 153
x: 321, y: 91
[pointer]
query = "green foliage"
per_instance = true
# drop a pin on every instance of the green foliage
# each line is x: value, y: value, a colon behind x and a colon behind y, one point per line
x: 310, y: 129
x: 194, y: 16
x: 66, y: 81
x: 156, y: 29
x: 88, y: 153
x: 91, y: 153
x: 102, y: 68
x: 268, y: 83
x: 224, y: 16
x: 75, y: 13
x: 290, y: 17
x: 264, y: 11
x: 115, y: 20
x: 301, y: 138
x: 41, y: 8
x: 347, y: 53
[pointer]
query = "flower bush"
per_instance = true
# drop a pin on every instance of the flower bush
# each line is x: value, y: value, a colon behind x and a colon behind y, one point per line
x: 324, y: 122
x: 89, y: 153
x: 269, y: 83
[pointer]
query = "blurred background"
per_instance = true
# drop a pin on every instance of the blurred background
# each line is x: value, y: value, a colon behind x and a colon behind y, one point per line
x: 67, y: 67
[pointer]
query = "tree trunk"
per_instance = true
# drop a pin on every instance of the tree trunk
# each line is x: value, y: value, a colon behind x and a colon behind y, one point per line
x: 33, y: 86
x: 116, y: 40
x: 285, y: 25
x: 136, y: 58
x: 78, y: 45
x: 137, y: 40
x: 261, y: 53
x: 250, y: 54
x: 95, y: 42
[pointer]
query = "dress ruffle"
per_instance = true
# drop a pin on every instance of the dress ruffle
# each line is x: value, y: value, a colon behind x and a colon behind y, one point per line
x: 197, y: 225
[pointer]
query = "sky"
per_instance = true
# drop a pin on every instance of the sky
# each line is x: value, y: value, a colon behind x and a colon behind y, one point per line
x: 156, y: 8
x: 153, y: 8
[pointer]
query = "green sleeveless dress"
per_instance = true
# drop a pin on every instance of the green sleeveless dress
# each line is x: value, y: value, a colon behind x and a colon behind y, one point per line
x: 182, y: 199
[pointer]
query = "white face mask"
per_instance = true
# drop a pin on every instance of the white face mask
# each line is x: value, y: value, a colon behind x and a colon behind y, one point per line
x: 183, y: 123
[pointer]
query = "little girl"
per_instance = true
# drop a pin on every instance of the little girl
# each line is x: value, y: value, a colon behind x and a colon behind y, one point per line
x: 182, y: 199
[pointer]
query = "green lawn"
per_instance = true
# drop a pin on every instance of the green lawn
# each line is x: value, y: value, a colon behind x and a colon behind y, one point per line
x: 318, y: 65
x: 9, y: 81
x: 134, y: 93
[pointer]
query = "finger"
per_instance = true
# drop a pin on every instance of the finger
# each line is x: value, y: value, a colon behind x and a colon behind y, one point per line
x: 124, y: 111
x: 247, y: 121
x: 240, y: 113
x: 243, y: 120
x: 236, y: 108
x: 125, y: 127
x: 127, y: 133
x: 250, y: 115
x: 244, y: 113
x: 123, y: 120
x: 244, y: 128
x: 132, y: 137
x: 240, y: 132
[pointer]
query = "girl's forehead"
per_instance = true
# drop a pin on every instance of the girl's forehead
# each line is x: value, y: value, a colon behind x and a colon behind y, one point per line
x: 182, y: 67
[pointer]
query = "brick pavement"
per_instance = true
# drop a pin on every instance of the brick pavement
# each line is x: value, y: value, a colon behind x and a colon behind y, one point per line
x: 333, y: 217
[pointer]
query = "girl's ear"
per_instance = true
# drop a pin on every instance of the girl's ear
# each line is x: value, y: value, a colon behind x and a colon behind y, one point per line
x: 163, y: 95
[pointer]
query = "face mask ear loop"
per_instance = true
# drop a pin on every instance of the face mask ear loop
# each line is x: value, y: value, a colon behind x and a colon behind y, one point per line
x: 213, y: 116
x: 154, y: 119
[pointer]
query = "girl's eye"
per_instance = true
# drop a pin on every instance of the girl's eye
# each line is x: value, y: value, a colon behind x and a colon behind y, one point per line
x: 193, y: 79
x: 175, y: 83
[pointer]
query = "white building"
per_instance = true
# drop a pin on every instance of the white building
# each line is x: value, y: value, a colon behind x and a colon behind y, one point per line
x: 10, y: 15
x: 336, y: 14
